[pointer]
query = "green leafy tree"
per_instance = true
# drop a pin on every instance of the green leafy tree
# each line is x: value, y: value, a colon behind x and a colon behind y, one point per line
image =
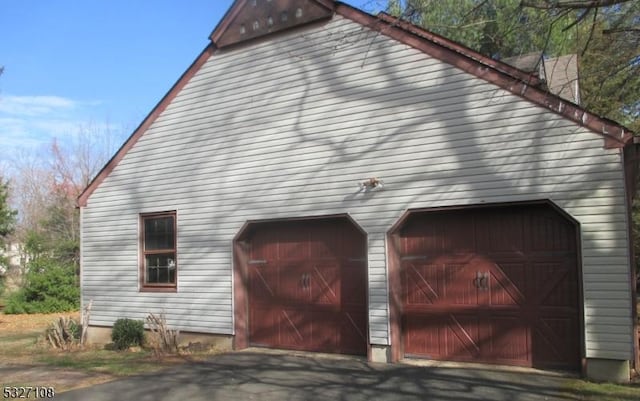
x: 51, y: 280
x: 7, y: 214
x: 610, y: 65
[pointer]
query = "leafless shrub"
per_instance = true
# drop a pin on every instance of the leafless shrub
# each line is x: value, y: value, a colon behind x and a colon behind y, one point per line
x: 162, y: 340
x: 63, y: 334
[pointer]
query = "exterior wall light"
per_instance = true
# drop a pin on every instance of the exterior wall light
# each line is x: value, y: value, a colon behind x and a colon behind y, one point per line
x: 371, y: 183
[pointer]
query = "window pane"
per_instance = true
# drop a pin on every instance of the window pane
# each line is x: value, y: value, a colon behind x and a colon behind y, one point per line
x: 160, y: 268
x: 158, y: 233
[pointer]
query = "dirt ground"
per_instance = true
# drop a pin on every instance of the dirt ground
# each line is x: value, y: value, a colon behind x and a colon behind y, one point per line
x: 39, y: 322
x: 27, y: 360
x: 19, y: 335
x: 45, y: 376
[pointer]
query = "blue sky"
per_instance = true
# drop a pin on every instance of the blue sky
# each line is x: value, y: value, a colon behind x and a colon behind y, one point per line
x: 88, y: 64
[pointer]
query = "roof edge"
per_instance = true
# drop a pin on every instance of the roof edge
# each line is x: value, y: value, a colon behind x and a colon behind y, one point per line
x: 145, y: 124
x: 228, y: 17
x: 509, y: 78
x: 532, y: 78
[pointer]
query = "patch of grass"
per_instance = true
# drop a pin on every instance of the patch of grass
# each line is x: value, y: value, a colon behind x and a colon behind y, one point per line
x: 588, y: 391
x: 22, y: 343
x: 104, y: 361
x: 27, y: 358
x: 18, y: 345
x: 28, y: 337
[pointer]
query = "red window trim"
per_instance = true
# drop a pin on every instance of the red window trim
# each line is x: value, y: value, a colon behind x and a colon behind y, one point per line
x: 146, y: 287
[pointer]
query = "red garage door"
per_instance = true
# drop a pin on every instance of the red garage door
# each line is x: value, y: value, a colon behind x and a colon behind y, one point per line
x: 497, y: 285
x: 307, y: 287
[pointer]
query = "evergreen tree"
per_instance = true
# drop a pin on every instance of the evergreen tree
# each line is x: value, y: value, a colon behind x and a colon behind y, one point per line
x: 7, y: 221
x: 7, y: 215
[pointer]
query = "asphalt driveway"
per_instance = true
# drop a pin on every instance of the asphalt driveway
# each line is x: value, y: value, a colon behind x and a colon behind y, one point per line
x: 268, y: 376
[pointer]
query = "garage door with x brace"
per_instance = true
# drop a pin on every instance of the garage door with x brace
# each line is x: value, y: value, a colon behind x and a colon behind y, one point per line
x: 307, y: 287
x: 497, y: 285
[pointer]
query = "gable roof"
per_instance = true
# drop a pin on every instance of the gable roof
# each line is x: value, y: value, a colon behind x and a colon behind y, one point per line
x: 501, y: 74
x: 561, y: 75
x: 529, y: 62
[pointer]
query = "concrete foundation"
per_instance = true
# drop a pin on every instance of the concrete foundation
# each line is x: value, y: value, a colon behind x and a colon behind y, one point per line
x: 608, y: 370
x: 217, y: 341
x: 102, y: 335
x: 380, y: 353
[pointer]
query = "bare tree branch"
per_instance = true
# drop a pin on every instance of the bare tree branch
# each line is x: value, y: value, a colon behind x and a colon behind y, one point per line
x: 570, y: 4
x: 483, y: 22
x: 476, y: 8
x: 590, y: 38
x: 620, y: 30
x: 578, y: 20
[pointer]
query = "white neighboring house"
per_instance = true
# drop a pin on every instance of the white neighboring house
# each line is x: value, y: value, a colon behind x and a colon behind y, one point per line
x: 559, y: 74
x: 14, y: 254
x: 323, y: 179
x: 13, y: 251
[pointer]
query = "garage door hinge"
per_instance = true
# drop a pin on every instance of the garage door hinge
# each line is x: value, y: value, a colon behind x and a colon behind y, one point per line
x: 257, y: 262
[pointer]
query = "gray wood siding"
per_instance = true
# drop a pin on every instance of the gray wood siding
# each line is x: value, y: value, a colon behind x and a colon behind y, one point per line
x: 288, y: 127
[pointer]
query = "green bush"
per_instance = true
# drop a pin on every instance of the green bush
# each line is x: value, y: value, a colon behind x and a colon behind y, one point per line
x: 15, y: 304
x: 127, y: 333
x: 50, y: 287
